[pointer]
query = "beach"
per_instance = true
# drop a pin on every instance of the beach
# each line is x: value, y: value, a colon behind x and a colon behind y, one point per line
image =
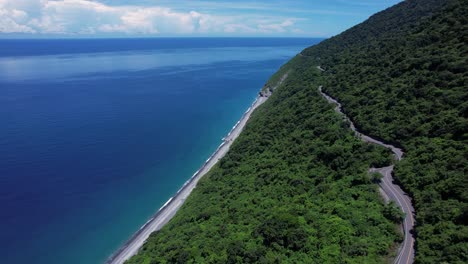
x: 169, y: 209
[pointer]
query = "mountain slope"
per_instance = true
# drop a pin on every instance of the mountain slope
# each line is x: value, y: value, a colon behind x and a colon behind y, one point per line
x: 294, y: 187
x: 402, y: 76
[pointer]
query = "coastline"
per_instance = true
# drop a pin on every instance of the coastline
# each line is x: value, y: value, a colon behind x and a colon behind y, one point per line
x: 169, y: 209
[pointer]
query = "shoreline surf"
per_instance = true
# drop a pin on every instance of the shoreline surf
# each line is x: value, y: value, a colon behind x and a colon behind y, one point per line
x: 168, y: 210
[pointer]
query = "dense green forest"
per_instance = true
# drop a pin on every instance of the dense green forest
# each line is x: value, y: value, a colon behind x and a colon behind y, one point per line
x: 294, y: 188
x: 402, y: 76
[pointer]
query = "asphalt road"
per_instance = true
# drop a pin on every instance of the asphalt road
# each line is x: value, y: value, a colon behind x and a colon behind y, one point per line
x: 394, y: 192
x: 391, y: 190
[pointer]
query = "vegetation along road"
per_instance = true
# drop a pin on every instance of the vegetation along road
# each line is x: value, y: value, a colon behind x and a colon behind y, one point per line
x: 295, y: 188
x: 393, y: 191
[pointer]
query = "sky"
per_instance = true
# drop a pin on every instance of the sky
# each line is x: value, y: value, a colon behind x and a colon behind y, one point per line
x: 184, y: 18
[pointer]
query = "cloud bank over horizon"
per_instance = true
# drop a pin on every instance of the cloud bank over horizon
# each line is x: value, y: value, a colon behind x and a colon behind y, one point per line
x: 157, y: 18
x: 92, y: 17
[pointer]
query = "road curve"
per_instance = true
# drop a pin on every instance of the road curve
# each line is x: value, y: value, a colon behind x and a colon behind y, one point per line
x: 392, y: 191
x: 168, y: 210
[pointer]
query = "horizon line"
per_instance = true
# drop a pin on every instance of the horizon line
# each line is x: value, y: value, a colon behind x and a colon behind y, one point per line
x: 160, y: 37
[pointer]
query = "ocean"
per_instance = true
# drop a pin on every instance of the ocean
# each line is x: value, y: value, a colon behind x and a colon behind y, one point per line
x: 97, y: 134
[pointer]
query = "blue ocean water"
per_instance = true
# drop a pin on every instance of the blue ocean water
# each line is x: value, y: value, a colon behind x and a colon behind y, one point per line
x: 95, y: 135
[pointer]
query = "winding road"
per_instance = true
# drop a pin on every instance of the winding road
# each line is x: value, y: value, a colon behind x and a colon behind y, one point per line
x: 391, y: 191
x: 165, y: 213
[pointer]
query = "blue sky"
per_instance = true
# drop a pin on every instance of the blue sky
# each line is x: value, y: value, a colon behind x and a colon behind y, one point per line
x: 152, y: 18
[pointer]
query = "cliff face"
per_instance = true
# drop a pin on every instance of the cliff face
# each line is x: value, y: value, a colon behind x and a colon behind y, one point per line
x: 294, y: 187
x: 402, y: 77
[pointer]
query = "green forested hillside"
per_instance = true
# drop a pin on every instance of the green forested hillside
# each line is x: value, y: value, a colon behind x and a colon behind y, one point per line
x: 294, y: 187
x: 402, y: 76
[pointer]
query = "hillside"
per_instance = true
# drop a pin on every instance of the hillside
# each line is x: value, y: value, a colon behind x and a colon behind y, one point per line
x: 402, y: 77
x: 294, y: 188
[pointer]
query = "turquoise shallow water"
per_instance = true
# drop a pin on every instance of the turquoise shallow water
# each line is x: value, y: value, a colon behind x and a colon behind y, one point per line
x: 98, y: 134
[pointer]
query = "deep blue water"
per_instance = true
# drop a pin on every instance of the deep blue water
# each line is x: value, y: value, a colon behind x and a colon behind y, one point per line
x: 95, y: 135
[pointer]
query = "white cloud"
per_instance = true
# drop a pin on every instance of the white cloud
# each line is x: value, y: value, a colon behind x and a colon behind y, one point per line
x: 235, y: 28
x: 94, y: 17
x: 276, y: 27
x: 10, y: 22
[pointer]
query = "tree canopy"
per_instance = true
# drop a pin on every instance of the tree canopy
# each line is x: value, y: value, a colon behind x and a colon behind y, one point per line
x: 402, y: 77
x: 295, y: 187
